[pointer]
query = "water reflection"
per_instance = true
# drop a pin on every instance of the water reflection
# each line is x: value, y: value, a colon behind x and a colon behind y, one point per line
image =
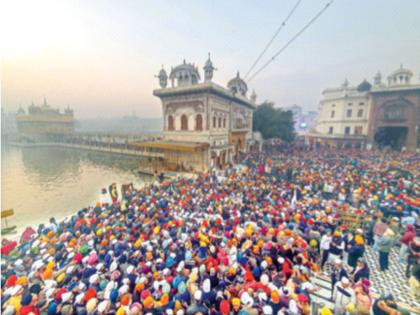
x: 42, y: 182
x: 51, y: 164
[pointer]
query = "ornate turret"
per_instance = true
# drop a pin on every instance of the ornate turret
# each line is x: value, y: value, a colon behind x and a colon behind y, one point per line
x: 377, y: 79
x: 163, y: 78
x: 184, y: 74
x: 68, y: 111
x: 253, y: 97
x: 345, y: 83
x: 237, y: 85
x: 208, y: 70
x: 400, y: 76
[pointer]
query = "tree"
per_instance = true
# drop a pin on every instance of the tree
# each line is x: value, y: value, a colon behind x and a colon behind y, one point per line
x: 274, y: 122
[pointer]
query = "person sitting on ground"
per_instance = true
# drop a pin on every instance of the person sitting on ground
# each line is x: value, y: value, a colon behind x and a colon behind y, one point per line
x: 385, y: 305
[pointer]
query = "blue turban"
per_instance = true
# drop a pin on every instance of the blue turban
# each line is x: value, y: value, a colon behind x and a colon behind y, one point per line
x: 26, y: 299
x: 52, y: 309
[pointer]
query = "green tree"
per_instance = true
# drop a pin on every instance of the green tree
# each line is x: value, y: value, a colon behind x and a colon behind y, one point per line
x: 274, y: 122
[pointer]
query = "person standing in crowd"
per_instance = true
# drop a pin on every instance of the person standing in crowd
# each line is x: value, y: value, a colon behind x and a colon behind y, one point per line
x: 113, y: 192
x: 407, y: 238
x: 336, y: 246
x: 356, y: 251
x: 363, y: 298
x: 384, y: 245
x: 326, y: 240
x: 413, y: 255
x: 338, y: 272
x: 380, y: 227
x: 414, y: 280
x: 343, y: 295
x: 361, y: 271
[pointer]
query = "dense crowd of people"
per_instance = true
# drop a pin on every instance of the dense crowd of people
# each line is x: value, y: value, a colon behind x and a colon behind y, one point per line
x: 240, y: 241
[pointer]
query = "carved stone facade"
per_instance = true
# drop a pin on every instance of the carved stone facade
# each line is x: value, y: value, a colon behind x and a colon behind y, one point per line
x: 398, y: 111
x: 206, y: 113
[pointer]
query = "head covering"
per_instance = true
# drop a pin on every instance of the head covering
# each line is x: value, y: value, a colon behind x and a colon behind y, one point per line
x: 91, y: 305
x: 26, y: 299
x: 225, y: 307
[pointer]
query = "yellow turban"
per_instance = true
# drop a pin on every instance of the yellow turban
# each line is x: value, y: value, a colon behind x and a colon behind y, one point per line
x: 60, y: 277
x: 359, y: 240
x: 326, y: 311
x: 236, y: 302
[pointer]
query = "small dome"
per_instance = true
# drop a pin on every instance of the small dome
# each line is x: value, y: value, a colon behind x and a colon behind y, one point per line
x: 400, y: 76
x: 237, y: 85
x: 365, y: 86
x: 400, y: 71
x: 185, y: 74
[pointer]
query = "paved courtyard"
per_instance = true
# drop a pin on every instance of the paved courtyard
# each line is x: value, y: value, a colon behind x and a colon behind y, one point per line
x: 393, y: 281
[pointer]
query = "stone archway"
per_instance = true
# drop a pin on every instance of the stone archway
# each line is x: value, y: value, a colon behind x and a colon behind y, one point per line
x: 393, y: 121
x: 393, y: 137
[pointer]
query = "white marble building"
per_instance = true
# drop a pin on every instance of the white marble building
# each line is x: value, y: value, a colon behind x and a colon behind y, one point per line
x: 344, y: 115
x: 206, y: 114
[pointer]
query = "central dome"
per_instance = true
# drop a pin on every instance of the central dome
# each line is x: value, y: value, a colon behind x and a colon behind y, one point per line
x: 185, y: 74
x: 237, y: 85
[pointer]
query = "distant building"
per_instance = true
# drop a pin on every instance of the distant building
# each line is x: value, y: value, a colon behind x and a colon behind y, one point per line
x: 205, y: 125
x: 43, y: 120
x: 303, y: 121
x: 297, y: 115
x: 309, y: 120
x: 366, y: 115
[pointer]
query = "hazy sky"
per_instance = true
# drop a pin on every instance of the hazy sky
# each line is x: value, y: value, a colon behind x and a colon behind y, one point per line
x: 100, y: 57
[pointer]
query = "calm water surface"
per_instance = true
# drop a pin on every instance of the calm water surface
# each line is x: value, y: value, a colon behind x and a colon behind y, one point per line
x: 39, y: 183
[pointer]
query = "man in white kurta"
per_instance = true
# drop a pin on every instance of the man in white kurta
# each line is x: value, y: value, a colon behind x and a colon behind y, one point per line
x: 343, y: 295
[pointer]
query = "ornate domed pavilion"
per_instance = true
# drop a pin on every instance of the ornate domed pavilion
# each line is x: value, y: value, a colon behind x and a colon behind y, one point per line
x: 185, y: 74
x: 237, y: 85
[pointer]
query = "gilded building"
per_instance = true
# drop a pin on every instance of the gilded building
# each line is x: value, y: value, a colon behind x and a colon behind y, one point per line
x: 43, y: 120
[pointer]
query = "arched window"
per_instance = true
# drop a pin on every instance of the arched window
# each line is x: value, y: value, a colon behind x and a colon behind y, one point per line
x: 214, y: 122
x: 224, y: 122
x: 220, y: 122
x: 199, y: 122
x: 184, y: 122
x: 171, y: 125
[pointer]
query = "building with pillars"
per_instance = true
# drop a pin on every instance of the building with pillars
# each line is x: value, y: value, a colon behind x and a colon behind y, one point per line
x: 366, y: 115
x: 205, y: 125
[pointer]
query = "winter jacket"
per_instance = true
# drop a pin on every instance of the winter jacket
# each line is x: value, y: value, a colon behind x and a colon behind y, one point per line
x: 385, y: 244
